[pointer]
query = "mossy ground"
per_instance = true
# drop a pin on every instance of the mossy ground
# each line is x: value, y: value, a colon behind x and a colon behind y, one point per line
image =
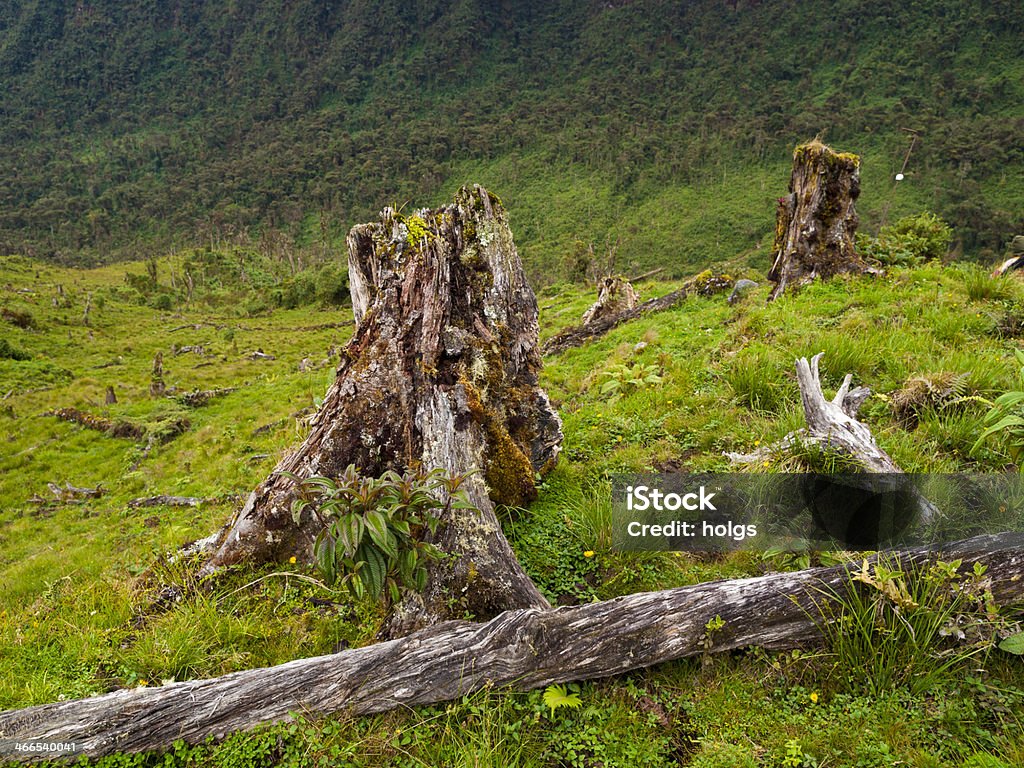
x: 76, y: 579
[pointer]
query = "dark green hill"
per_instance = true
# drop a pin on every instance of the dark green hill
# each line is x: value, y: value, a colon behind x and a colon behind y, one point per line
x: 660, y: 132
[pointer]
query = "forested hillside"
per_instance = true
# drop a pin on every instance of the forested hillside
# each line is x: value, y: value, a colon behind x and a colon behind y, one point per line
x: 657, y: 132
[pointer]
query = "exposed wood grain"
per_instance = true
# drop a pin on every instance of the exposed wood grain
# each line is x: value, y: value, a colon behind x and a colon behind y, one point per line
x: 525, y: 648
x: 442, y: 371
x: 815, y: 223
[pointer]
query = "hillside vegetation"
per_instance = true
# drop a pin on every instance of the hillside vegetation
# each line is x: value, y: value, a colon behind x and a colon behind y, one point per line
x: 656, y: 132
x: 79, y: 575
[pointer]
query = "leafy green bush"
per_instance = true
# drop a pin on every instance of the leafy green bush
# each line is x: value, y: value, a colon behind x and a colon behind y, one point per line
x: 10, y: 352
x: 331, y: 285
x: 374, y: 527
x: 163, y: 302
x: 910, y: 241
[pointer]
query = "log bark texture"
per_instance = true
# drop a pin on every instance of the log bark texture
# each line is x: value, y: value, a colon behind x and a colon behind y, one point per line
x: 442, y: 372
x: 815, y: 223
x: 526, y: 649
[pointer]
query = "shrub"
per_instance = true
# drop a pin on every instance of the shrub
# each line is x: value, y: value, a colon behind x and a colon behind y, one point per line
x: 23, y: 320
x: 332, y: 285
x: 163, y: 302
x: 374, y: 527
x: 910, y: 626
x: 10, y: 352
x: 910, y: 241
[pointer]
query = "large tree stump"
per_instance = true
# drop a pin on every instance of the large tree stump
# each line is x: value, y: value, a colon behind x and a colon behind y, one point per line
x: 815, y: 223
x: 441, y: 372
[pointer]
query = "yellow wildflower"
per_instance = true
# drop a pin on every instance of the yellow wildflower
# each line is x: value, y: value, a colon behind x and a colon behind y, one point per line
x: 589, y: 553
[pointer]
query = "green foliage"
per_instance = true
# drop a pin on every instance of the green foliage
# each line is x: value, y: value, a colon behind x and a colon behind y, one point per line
x: 756, y: 382
x: 1006, y: 418
x: 372, y: 539
x: 163, y: 302
x: 70, y: 615
x: 1013, y: 644
x: 10, y: 352
x: 910, y: 626
x: 237, y: 126
x: 980, y: 285
x: 910, y: 241
x: 623, y: 379
x: 557, y: 696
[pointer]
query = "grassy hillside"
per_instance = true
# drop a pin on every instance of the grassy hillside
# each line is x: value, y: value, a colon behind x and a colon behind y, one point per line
x: 78, y: 575
x: 655, y: 131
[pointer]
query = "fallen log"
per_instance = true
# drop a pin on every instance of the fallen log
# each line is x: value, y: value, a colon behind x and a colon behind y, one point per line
x: 166, y: 501
x: 525, y: 648
x: 99, y: 423
x: 704, y: 284
x: 578, y: 335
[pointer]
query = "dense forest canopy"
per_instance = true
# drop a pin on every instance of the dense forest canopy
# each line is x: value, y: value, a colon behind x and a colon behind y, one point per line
x: 656, y: 130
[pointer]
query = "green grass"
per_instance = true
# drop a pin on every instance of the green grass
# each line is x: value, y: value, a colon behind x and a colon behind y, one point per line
x: 78, y: 580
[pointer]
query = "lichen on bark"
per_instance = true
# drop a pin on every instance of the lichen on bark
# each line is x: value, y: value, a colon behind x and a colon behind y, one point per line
x: 816, y: 222
x: 442, y: 372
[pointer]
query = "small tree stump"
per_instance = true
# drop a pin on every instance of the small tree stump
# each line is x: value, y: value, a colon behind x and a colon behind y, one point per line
x: 615, y: 294
x: 816, y: 222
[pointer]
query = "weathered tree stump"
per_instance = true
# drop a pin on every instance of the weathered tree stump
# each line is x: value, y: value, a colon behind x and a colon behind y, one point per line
x: 157, y: 388
x: 832, y: 425
x: 441, y: 372
x: 815, y: 223
x: 615, y: 294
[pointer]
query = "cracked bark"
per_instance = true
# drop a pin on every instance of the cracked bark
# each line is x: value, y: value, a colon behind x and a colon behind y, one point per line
x: 441, y: 372
x: 815, y: 223
x: 526, y: 648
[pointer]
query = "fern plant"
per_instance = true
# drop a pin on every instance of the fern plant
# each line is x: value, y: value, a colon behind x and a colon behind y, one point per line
x: 556, y: 696
x: 373, y: 532
x: 1006, y: 417
x: 623, y: 379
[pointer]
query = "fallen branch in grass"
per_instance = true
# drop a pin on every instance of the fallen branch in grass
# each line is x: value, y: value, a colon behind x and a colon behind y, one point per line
x: 526, y: 648
x: 704, y: 284
x: 578, y: 335
x: 166, y: 501
x: 99, y: 423
x: 200, y: 397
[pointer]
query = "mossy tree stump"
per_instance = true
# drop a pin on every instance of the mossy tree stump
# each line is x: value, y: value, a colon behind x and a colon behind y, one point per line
x: 441, y: 372
x: 815, y: 223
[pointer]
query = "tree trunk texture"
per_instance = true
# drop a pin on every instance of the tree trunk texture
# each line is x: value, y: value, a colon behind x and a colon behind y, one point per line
x: 526, y: 648
x: 816, y: 222
x: 615, y: 294
x: 441, y: 372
